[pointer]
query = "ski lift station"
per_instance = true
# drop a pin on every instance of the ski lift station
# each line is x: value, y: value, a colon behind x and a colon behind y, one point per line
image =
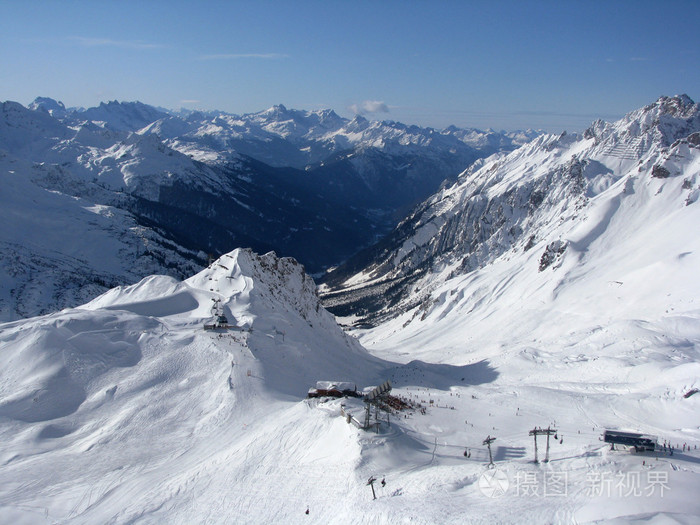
x: 220, y: 323
x: 220, y: 319
x: 640, y: 442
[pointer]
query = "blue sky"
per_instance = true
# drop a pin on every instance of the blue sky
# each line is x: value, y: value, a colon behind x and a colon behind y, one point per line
x: 555, y: 65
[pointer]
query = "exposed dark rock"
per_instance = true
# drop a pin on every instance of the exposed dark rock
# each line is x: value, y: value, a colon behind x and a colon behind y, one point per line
x: 536, y: 198
x: 530, y: 242
x: 660, y: 172
x: 552, y: 253
x: 694, y: 139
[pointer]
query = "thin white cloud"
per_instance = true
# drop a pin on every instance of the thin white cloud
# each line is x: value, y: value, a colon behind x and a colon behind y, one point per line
x: 108, y: 42
x: 189, y: 101
x: 235, y: 56
x: 369, y: 106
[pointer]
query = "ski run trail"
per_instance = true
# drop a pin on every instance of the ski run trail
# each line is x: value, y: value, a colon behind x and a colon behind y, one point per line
x: 127, y: 411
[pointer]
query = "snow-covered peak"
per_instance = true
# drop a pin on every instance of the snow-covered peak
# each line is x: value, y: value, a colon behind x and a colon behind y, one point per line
x: 122, y: 116
x: 244, y: 284
x: 357, y: 124
x: 167, y: 127
x: 328, y: 116
x: 49, y: 105
x: 680, y: 106
x: 275, y: 111
x: 268, y: 296
x: 143, y: 163
x: 661, y: 123
x: 284, y: 137
x: 267, y: 278
x: 26, y: 131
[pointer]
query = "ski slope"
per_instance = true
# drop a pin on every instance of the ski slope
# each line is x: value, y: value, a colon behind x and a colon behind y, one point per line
x: 126, y: 411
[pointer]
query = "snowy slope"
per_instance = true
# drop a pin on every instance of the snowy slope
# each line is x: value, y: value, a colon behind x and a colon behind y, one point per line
x: 57, y: 249
x: 138, y: 413
x: 608, y: 337
x: 533, y: 203
x: 126, y: 411
x: 571, y: 302
x: 570, y: 268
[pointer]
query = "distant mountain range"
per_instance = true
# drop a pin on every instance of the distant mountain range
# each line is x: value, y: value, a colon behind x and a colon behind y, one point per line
x: 551, y: 286
x: 106, y: 195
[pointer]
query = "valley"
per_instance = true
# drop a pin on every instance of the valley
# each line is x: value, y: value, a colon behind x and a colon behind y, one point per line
x: 550, y: 289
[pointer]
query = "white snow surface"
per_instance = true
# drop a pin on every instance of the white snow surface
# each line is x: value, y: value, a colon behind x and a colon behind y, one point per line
x: 58, y: 249
x: 601, y: 186
x: 126, y: 411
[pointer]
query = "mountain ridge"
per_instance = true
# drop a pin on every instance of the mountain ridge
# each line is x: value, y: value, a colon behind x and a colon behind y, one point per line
x: 551, y: 287
x: 515, y: 202
x: 186, y: 180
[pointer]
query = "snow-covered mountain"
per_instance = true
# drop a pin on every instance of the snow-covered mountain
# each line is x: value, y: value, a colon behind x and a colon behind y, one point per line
x: 50, y: 106
x: 121, y: 116
x: 81, y: 212
x: 570, y: 268
x: 125, y: 410
x: 284, y: 137
x: 379, y: 165
x: 129, y: 394
x: 548, y: 204
x: 551, y: 288
x: 57, y: 249
x: 196, y: 183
